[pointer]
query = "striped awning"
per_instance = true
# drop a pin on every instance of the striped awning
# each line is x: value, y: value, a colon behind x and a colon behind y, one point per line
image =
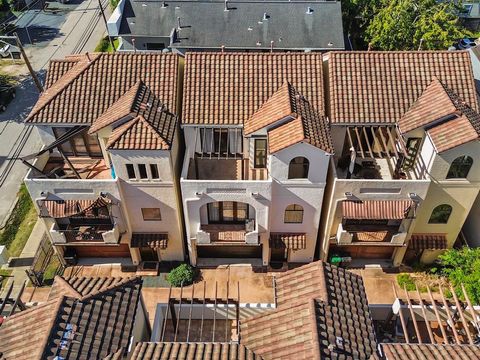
x: 72, y: 208
x: 428, y: 241
x: 376, y: 209
x: 153, y: 240
x: 294, y: 241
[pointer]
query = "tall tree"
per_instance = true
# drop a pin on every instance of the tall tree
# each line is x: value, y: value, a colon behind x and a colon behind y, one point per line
x: 405, y: 24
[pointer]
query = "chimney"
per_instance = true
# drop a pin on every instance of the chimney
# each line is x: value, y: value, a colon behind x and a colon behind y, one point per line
x: 271, y: 46
x: 179, y: 27
x: 134, y: 47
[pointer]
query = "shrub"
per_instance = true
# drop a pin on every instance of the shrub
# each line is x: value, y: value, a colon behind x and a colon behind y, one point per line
x: 406, y: 281
x: 181, y: 275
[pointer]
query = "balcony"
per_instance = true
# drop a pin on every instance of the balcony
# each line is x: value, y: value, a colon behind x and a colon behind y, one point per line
x: 74, y: 168
x: 223, y: 169
x: 70, y: 234
x: 370, y: 235
x: 227, y: 234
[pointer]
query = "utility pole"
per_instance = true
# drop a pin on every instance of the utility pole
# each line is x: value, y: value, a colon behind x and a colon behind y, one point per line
x: 106, y: 25
x: 29, y: 66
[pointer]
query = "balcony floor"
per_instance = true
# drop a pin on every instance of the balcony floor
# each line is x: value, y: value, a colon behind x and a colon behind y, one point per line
x: 88, y: 168
x: 224, y: 169
x: 225, y: 233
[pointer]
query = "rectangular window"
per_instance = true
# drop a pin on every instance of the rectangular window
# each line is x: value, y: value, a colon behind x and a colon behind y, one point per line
x: 220, y: 142
x: 151, y: 214
x: 131, y: 171
x: 154, y: 171
x: 260, y: 160
x: 80, y: 145
x: 142, y: 169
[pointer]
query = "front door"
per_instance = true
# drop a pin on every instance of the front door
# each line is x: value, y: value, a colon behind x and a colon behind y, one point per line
x: 227, y: 212
x: 278, y: 255
x: 148, y: 254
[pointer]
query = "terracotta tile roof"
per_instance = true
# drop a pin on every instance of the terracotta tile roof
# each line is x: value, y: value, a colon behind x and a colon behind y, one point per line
x: 452, y: 133
x: 155, y: 241
x: 192, y: 351
x: 228, y: 88
x: 376, y: 209
x: 428, y: 241
x: 430, y: 351
x: 79, y: 286
x: 294, y: 241
x: 80, y: 93
x: 322, y: 313
x: 100, y: 323
x: 379, y: 87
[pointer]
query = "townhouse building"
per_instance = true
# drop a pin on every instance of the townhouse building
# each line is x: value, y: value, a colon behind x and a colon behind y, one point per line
x: 405, y: 130
x: 106, y: 181
x: 256, y: 160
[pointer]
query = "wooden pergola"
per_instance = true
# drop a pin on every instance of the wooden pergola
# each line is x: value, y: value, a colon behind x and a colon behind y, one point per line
x: 376, y: 141
x: 188, y: 302
x: 11, y: 304
x: 460, y: 319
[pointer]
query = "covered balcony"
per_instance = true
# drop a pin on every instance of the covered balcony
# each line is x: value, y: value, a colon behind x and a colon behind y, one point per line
x: 379, y: 152
x: 80, y: 221
x: 227, y: 222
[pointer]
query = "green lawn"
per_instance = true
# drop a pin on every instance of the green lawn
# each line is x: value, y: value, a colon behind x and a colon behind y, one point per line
x: 20, y: 224
x: 51, y: 270
x: 105, y: 46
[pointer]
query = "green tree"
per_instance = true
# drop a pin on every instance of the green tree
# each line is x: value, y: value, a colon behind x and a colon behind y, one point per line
x: 402, y: 24
x: 463, y: 267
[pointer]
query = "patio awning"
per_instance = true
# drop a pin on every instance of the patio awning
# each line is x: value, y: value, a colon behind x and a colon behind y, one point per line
x: 73, y: 208
x: 428, y: 241
x: 372, y: 236
x: 376, y: 209
x: 153, y: 240
x: 294, y: 241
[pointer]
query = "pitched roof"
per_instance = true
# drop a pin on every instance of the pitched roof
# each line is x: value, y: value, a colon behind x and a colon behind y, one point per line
x: 453, y: 133
x: 379, y: 87
x: 79, y: 93
x: 228, y: 88
x: 79, y: 286
x: 193, y: 351
x: 322, y: 313
x: 303, y: 122
x: 100, y: 322
x: 430, y: 351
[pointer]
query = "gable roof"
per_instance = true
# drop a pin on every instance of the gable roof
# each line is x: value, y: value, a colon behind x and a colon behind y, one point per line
x: 322, y: 313
x: 193, y: 351
x: 448, y: 120
x: 82, y: 87
x: 430, y: 351
x: 375, y: 87
x: 100, y: 322
x: 228, y: 88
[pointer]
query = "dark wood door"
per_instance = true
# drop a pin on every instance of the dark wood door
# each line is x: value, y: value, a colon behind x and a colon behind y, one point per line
x: 278, y: 255
x: 103, y: 251
x: 148, y: 254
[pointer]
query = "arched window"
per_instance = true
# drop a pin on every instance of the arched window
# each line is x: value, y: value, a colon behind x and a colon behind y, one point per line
x: 293, y: 214
x: 460, y: 167
x: 298, y: 168
x: 440, y: 214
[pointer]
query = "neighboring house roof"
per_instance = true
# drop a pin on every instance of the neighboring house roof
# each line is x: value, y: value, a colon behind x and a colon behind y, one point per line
x: 194, y: 351
x: 322, y: 313
x: 228, y: 88
x: 206, y: 24
x: 374, y: 87
x: 449, y: 121
x: 430, y: 351
x: 74, y: 326
x: 79, y: 93
x: 301, y: 122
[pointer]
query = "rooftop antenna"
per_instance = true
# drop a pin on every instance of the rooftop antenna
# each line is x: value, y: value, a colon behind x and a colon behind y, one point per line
x: 179, y: 27
x: 226, y: 6
x: 271, y: 46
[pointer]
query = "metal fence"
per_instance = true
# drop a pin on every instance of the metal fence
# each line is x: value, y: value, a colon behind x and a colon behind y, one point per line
x: 43, y: 258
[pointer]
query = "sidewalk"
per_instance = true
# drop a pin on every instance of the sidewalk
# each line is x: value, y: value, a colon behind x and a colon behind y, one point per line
x: 29, y: 251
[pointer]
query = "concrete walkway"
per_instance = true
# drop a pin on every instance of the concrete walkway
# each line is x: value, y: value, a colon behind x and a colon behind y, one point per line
x: 18, y: 273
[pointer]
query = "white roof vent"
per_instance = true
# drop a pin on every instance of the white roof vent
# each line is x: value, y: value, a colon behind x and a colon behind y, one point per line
x: 265, y: 16
x: 309, y: 11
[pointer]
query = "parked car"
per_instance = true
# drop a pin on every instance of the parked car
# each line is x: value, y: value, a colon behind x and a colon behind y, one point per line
x: 8, y: 51
x: 7, y: 94
x: 466, y: 43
